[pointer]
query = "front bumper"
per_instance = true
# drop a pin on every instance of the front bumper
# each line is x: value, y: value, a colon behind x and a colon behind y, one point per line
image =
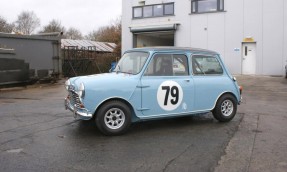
x: 79, y: 113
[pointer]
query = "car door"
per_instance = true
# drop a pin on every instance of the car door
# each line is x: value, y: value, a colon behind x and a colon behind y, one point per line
x: 210, y: 80
x: 167, y: 87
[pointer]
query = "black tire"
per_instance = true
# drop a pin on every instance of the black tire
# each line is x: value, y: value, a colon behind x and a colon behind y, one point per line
x: 225, y: 108
x: 113, y: 118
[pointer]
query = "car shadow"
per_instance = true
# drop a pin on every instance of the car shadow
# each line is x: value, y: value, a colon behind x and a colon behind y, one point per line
x: 179, y: 123
x: 89, y: 129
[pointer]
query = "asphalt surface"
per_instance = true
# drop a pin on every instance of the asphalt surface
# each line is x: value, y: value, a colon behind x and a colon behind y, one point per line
x: 37, y: 134
x: 260, y: 144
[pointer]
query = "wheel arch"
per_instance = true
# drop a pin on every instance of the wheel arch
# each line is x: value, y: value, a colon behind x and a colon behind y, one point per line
x: 225, y: 93
x: 134, y: 117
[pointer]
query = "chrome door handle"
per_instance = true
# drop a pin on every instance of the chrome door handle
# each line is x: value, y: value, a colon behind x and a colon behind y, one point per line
x: 187, y: 80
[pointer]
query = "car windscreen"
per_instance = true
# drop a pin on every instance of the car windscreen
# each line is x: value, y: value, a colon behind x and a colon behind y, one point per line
x: 131, y: 62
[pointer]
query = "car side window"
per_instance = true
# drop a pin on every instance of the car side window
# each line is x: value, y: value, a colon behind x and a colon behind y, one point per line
x: 206, y: 65
x: 168, y: 65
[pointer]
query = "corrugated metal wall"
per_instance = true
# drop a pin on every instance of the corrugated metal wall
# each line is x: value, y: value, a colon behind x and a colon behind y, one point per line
x: 12, y: 70
x: 40, y: 54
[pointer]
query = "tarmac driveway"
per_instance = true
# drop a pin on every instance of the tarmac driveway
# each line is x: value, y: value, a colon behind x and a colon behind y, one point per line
x: 260, y: 144
x: 37, y: 134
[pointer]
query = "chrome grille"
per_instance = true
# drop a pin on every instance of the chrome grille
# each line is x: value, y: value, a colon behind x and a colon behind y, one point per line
x: 74, y: 98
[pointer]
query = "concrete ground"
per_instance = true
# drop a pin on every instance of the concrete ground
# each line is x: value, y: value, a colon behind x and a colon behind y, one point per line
x: 260, y: 144
x: 37, y: 134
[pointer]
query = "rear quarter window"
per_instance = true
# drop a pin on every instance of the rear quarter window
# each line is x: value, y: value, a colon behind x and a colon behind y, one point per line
x: 206, y: 65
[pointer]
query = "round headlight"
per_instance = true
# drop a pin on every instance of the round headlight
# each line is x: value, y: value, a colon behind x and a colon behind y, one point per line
x: 81, y: 90
x: 67, y: 84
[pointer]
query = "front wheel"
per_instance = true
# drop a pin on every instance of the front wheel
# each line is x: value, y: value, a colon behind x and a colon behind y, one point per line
x: 225, y: 108
x: 113, y: 118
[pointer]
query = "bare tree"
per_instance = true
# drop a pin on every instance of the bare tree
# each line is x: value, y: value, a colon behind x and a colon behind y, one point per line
x: 73, y: 33
x: 27, y: 22
x: 53, y: 26
x: 5, y: 26
x: 111, y: 33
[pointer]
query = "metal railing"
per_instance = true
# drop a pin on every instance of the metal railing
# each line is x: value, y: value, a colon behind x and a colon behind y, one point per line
x: 85, y: 61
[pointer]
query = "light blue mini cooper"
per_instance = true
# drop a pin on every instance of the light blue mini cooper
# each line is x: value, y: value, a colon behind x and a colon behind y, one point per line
x: 153, y: 83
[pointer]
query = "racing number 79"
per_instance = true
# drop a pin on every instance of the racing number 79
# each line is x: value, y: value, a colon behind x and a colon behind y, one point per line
x: 173, y: 91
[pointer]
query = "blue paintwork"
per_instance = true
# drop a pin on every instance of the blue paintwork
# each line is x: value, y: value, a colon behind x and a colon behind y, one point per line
x: 102, y: 87
x: 200, y: 93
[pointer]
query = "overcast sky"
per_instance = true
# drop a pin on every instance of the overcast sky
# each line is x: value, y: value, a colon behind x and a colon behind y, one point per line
x: 85, y: 15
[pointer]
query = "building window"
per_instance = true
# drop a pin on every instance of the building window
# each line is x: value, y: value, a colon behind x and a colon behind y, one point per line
x: 168, y: 9
x: 204, y: 6
x: 148, y: 11
x: 156, y: 10
x: 138, y: 12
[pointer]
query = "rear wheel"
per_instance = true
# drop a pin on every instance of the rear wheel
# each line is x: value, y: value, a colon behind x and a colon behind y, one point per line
x: 225, y: 108
x: 113, y: 118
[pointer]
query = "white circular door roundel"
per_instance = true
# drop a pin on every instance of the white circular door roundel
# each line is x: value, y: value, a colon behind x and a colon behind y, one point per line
x: 169, y: 95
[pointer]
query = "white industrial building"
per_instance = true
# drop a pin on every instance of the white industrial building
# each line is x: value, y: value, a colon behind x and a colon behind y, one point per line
x: 251, y: 35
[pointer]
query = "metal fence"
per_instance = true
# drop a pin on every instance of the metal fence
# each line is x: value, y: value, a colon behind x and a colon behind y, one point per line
x: 85, y: 61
